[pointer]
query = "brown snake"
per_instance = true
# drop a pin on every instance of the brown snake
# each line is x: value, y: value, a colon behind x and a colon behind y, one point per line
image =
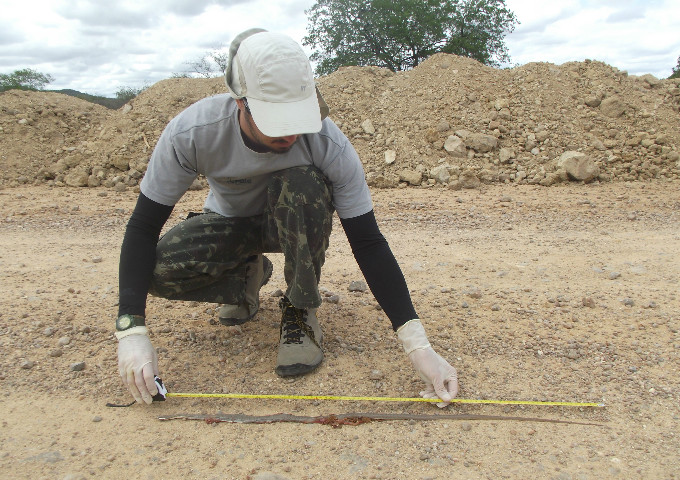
x: 339, y: 420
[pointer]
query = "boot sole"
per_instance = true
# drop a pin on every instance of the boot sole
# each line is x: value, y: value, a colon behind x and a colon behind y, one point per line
x: 296, y: 369
x: 268, y: 270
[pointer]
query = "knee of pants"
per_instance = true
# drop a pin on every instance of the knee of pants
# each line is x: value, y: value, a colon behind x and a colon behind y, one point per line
x: 300, y: 186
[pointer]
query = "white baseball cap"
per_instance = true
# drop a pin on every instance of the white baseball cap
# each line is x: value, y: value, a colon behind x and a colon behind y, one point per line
x: 275, y: 75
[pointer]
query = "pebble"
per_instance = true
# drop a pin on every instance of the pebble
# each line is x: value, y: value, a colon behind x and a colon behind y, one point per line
x: 57, y: 352
x: 588, y: 302
x: 97, y: 419
x: 358, y: 286
x: 466, y: 427
x: 48, y: 332
x: 573, y: 354
x: 77, y: 366
x: 376, y: 375
x: 474, y: 293
x: 614, y: 275
x: 628, y: 302
x: 97, y: 260
x: 332, y: 299
x: 63, y: 341
x: 27, y: 364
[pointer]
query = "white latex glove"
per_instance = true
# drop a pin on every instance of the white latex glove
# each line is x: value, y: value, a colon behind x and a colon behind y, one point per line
x: 137, y: 365
x: 441, y: 379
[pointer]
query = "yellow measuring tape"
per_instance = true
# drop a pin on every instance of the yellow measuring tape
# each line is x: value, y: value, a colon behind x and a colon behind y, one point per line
x: 379, y: 399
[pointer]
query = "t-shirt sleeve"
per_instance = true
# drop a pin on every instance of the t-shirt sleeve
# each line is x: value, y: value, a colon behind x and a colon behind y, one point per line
x: 172, y: 167
x: 335, y: 156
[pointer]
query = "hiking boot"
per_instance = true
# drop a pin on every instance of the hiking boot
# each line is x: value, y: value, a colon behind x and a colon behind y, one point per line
x: 258, y: 271
x: 300, y: 340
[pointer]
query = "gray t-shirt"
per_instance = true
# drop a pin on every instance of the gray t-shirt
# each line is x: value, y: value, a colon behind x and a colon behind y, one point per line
x: 206, y: 139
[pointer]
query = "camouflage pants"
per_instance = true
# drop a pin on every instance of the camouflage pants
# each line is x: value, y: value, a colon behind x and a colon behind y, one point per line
x: 204, y: 257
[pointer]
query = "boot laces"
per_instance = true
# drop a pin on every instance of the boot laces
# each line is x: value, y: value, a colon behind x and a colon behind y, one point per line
x: 293, y: 324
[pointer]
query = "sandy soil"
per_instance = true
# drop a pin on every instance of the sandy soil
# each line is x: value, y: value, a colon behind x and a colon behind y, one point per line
x: 568, y: 293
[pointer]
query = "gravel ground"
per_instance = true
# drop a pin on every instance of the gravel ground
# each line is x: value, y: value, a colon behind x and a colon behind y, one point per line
x: 568, y: 293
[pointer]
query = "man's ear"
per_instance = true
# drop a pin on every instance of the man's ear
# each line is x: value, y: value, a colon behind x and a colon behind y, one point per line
x: 240, y: 104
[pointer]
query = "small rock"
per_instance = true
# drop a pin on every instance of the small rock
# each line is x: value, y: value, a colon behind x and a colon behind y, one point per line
x: 505, y: 155
x: 332, y: 299
x: 358, y: 286
x: 628, y: 302
x: 593, y: 101
x: 27, y: 364
x: 368, y: 127
x: 412, y: 177
x: 97, y: 260
x: 77, y: 366
x: 481, y: 143
x: 614, y: 275
x: 466, y: 427
x: 376, y: 375
x: 441, y: 173
x: 474, y: 293
x: 48, y: 332
x: 97, y: 419
x: 578, y: 166
x: 63, y: 341
x: 58, y: 352
x: 613, y: 107
x: 588, y: 302
x: 455, y: 146
x: 443, y: 126
x: 469, y: 180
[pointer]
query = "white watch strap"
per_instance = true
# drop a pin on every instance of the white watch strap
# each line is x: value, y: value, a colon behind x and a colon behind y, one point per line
x: 131, y: 331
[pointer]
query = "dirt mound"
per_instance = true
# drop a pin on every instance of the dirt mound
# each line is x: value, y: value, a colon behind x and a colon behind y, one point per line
x: 450, y: 121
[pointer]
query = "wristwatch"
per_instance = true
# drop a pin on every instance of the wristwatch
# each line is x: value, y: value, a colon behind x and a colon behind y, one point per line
x: 127, y: 321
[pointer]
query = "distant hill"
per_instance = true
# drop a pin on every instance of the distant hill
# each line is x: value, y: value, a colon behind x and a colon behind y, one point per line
x: 112, y: 103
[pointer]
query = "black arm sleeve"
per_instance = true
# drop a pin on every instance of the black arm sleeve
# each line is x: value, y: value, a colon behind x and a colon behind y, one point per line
x: 138, y: 254
x: 380, y: 268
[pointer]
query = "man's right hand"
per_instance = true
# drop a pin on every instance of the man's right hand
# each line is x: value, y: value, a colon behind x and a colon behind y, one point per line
x: 137, y: 365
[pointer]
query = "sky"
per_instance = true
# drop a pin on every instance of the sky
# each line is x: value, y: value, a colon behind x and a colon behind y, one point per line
x: 99, y: 47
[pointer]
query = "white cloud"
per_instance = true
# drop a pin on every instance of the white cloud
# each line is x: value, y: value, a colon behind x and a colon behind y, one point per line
x: 98, y: 47
x: 632, y: 35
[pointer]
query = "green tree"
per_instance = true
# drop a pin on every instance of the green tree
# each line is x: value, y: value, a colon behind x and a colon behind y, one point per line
x: 24, y: 79
x: 400, y: 34
x: 676, y: 70
x: 125, y: 94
